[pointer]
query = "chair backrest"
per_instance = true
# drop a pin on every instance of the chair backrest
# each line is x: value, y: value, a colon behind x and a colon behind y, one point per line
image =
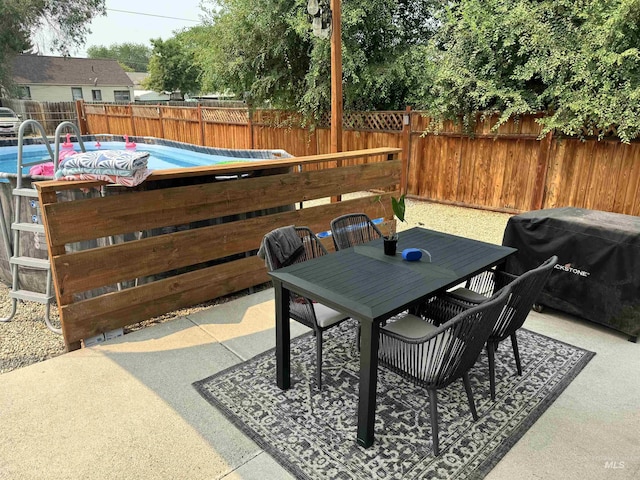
x: 312, y: 248
x: 525, y: 290
x: 448, y: 352
x: 312, y: 245
x: 353, y: 229
x: 467, y: 334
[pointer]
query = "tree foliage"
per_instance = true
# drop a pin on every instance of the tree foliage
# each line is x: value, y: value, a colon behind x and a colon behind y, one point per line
x: 172, y: 67
x: 20, y: 19
x: 134, y: 56
x: 576, y: 60
x: 264, y: 50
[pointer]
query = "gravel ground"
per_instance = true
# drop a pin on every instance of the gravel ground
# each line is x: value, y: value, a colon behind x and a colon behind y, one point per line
x: 26, y: 339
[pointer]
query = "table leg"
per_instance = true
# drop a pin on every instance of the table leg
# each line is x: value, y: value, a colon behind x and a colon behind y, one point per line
x: 369, y: 340
x: 283, y: 336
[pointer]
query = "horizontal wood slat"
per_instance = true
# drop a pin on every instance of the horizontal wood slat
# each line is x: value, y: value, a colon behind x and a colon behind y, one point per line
x: 85, y: 270
x: 118, y: 309
x: 76, y: 221
x: 226, y: 169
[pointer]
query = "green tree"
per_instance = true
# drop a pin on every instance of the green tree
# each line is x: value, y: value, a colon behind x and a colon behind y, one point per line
x: 172, y: 67
x: 19, y: 19
x: 264, y: 49
x: 576, y: 60
x: 134, y: 57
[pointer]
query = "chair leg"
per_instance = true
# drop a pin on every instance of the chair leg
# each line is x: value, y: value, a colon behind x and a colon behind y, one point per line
x: 319, y: 360
x: 467, y: 388
x: 516, y: 353
x: 492, y: 368
x: 433, y: 410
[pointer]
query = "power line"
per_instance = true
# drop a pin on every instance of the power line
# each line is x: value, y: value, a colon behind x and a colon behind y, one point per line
x: 153, y: 15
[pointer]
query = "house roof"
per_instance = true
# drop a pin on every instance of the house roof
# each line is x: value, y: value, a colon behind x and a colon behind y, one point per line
x: 38, y: 69
x: 137, y: 77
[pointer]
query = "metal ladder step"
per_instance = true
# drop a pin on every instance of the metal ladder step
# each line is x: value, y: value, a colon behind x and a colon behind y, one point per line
x: 31, y: 296
x: 40, y: 263
x: 28, y: 227
x: 26, y: 192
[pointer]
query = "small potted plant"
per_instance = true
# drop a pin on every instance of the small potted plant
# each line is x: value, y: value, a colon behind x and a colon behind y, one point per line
x: 391, y: 240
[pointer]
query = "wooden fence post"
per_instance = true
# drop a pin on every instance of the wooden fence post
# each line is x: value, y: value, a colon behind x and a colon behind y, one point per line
x: 407, y: 128
x: 314, y: 140
x: 82, y: 120
x: 160, y: 120
x: 250, y: 125
x: 539, y: 187
x: 106, y: 117
x: 133, y: 122
x: 201, y: 123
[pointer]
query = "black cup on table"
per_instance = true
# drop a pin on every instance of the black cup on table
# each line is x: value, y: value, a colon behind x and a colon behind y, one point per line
x: 390, y: 245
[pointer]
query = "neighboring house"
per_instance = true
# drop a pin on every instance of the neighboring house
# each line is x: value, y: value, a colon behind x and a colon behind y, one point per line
x: 142, y: 95
x: 150, y: 96
x: 62, y: 79
x: 137, y: 78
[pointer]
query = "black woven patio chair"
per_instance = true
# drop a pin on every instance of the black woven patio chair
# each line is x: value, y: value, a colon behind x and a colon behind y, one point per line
x: 316, y: 316
x: 434, y: 357
x: 353, y: 229
x: 525, y: 290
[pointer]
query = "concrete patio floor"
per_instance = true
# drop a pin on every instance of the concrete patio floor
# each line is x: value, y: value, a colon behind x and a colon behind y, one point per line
x: 126, y: 409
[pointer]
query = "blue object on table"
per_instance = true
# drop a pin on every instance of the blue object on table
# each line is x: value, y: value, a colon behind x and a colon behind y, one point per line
x: 411, y: 254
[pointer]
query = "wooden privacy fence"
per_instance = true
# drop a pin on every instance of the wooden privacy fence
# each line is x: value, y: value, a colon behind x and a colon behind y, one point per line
x: 511, y: 169
x: 197, y: 125
x: 243, y: 129
x: 189, y: 266
x: 48, y: 114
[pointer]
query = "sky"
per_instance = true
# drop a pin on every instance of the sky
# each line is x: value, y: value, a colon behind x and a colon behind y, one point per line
x: 119, y: 27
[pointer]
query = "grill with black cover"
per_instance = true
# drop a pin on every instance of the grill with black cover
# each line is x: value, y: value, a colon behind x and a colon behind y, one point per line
x: 598, y: 272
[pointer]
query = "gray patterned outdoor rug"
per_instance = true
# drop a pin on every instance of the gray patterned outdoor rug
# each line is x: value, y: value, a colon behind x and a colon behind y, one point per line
x: 313, y: 434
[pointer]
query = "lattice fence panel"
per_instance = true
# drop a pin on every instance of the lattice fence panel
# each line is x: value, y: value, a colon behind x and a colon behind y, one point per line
x: 371, y: 121
x: 239, y: 116
x: 325, y: 120
x: 380, y: 121
x: 608, y: 132
x: 279, y: 119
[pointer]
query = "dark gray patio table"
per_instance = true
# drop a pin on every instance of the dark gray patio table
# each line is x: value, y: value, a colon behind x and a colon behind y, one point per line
x: 371, y: 287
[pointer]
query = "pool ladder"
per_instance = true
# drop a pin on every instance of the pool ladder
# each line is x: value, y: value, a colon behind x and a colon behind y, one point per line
x: 19, y: 227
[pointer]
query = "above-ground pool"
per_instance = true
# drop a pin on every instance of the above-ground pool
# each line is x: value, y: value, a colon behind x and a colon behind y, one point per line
x: 163, y: 154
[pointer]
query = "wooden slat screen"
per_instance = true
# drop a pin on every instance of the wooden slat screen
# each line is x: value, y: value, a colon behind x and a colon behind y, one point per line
x: 191, y: 256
